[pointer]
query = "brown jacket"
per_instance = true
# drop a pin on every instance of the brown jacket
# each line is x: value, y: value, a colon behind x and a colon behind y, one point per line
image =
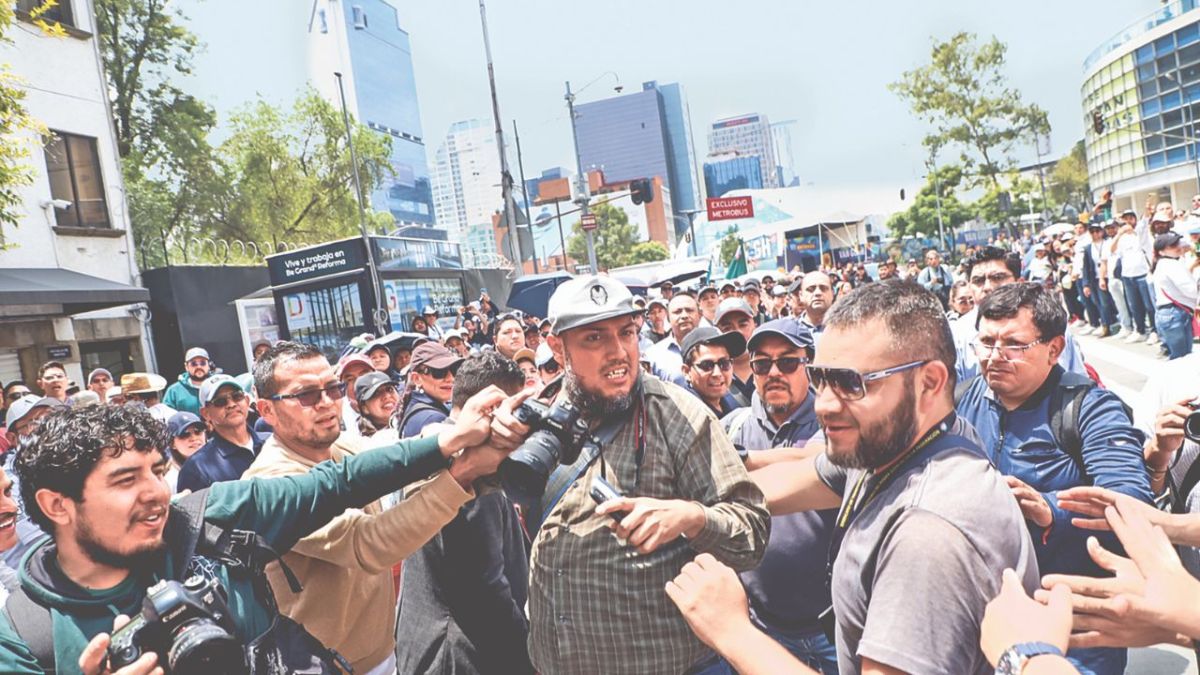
x: 348, y: 601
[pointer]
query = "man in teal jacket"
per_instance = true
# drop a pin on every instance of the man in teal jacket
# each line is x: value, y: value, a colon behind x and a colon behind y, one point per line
x: 93, y: 478
x: 184, y: 394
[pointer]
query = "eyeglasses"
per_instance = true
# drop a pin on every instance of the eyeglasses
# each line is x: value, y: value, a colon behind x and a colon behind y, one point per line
x: 310, y: 397
x: 849, y: 384
x: 1006, y: 352
x: 224, y: 399
x: 725, y: 365
x: 996, y: 278
x: 787, y: 365
x: 440, y: 373
x: 18, y: 393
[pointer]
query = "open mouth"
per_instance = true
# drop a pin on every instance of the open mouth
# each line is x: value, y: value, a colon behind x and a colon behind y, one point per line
x: 616, y: 374
x: 8, y: 520
x: 152, y: 519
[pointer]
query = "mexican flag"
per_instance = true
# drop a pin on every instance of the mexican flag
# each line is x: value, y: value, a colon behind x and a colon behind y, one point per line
x: 737, y: 266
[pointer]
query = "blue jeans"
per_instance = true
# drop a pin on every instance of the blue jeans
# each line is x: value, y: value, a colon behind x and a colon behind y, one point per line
x: 1140, y: 302
x: 812, y: 649
x: 1175, y: 330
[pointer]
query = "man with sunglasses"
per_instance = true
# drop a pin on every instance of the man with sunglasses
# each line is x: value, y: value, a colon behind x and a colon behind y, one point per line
x: 596, y: 598
x: 184, y: 394
x: 708, y: 366
x: 234, y: 444
x: 990, y: 268
x: 924, y: 516
x: 1013, y: 406
x: 787, y: 591
x: 547, y: 365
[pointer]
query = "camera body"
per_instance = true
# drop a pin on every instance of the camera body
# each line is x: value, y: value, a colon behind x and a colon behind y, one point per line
x: 1191, y: 423
x: 559, y: 435
x: 187, y: 624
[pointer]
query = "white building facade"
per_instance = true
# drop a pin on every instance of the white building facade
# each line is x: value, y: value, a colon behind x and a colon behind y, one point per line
x: 466, y: 187
x: 69, y: 282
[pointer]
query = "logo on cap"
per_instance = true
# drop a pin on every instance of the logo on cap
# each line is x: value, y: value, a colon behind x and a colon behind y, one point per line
x: 599, y: 295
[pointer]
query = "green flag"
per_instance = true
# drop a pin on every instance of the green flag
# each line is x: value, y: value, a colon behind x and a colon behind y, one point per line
x: 737, y: 266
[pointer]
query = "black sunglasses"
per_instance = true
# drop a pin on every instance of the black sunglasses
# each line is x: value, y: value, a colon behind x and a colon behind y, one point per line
x: 549, y: 366
x: 310, y: 397
x: 440, y: 373
x: 707, y: 365
x: 786, y: 364
x: 14, y: 395
x: 224, y: 399
x: 849, y: 384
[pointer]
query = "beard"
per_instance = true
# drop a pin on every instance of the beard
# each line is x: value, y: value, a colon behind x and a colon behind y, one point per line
x: 883, y: 441
x: 594, y: 405
x: 101, y: 553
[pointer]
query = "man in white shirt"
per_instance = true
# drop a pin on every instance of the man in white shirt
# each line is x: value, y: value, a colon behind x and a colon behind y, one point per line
x: 1111, y: 265
x: 1135, y: 271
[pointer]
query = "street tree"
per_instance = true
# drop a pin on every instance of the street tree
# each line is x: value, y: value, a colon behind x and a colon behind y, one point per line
x: 921, y: 217
x: 647, y: 252
x: 615, y: 239
x: 1021, y: 193
x: 1068, y: 181
x: 964, y: 95
x: 19, y: 131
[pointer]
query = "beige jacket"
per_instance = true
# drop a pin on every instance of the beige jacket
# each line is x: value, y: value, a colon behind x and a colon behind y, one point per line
x: 348, y: 601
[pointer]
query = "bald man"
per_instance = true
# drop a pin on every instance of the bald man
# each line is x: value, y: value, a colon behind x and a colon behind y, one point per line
x: 816, y: 293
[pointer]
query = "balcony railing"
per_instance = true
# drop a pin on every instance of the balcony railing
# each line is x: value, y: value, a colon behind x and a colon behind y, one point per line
x: 1169, y: 11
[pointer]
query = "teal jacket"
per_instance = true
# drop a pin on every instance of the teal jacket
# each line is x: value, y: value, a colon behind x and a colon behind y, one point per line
x: 282, y: 510
x: 183, y: 395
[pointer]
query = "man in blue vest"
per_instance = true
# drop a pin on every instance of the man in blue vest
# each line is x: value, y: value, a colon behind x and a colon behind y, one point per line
x: 1043, y: 439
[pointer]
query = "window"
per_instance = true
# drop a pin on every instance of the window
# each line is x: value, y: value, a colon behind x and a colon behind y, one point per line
x: 1190, y: 53
x: 59, y: 13
x: 74, y: 169
x: 360, y: 17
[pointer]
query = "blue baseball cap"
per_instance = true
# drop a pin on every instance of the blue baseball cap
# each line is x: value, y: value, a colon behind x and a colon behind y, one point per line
x: 181, y: 422
x: 789, y: 329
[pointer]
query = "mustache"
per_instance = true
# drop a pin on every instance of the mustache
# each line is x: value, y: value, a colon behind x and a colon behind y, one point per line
x: 156, y: 509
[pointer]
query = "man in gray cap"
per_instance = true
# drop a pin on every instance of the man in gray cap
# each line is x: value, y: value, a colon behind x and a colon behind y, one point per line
x: 735, y: 315
x: 596, y: 601
x: 656, y: 327
x: 184, y: 394
x: 23, y: 418
x: 99, y: 381
x: 708, y: 366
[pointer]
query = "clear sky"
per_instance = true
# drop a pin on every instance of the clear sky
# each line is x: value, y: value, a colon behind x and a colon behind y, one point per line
x: 824, y: 64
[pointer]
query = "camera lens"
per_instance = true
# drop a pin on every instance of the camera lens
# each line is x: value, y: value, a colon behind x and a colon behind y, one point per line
x: 1191, y: 427
x: 201, y: 647
x: 527, y: 469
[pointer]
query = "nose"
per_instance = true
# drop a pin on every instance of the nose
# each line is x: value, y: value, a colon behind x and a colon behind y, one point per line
x: 826, y: 402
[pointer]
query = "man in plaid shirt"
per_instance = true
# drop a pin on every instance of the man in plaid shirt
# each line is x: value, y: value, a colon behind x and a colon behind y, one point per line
x: 596, y: 600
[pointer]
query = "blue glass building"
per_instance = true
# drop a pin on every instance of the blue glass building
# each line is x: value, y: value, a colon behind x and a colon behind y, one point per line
x: 736, y: 173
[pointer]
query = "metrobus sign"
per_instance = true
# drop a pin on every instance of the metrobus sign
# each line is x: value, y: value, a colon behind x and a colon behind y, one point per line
x: 730, y: 208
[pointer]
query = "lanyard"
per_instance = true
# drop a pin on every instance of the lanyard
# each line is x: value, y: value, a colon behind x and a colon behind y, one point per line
x: 851, y: 507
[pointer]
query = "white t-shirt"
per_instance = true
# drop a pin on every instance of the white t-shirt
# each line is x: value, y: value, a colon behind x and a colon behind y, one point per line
x: 1133, y: 256
x: 1173, y: 283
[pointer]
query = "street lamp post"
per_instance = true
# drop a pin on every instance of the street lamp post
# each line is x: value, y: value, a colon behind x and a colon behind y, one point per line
x: 505, y: 176
x: 584, y: 190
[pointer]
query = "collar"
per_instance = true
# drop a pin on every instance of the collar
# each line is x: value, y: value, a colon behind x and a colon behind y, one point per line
x: 227, y: 447
x: 802, y: 415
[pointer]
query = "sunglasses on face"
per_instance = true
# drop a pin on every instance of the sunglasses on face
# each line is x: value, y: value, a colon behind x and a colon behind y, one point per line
x: 16, y: 394
x: 310, y: 397
x: 224, y: 399
x: 707, y: 365
x: 191, y: 433
x: 550, y: 367
x: 195, y: 363
x: 786, y: 364
x: 439, y: 373
x: 849, y: 384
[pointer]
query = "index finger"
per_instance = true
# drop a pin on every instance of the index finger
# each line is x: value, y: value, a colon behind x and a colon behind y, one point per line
x: 1087, y: 493
x: 513, y: 402
x: 615, y: 504
x: 487, y: 399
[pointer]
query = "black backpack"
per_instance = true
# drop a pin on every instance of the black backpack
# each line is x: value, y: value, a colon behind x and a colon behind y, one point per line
x: 1066, y: 402
x: 286, y: 647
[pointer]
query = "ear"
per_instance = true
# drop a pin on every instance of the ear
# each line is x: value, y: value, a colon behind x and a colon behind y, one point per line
x: 556, y: 346
x: 1057, y: 345
x: 266, y: 410
x: 934, y: 380
x: 59, y: 508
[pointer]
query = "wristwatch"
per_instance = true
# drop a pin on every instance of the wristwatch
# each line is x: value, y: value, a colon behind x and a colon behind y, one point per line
x: 1013, y: 661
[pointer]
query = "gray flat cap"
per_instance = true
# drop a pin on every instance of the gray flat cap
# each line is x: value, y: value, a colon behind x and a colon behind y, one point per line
x: 586, y: 300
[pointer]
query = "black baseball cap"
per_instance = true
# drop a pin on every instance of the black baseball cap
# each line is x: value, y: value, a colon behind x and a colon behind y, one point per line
x: 788, y: 328
x: 708, y: 335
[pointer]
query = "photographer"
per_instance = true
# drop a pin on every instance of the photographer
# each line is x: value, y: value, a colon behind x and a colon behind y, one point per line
x: 93, y: 479
x: 596, y: 600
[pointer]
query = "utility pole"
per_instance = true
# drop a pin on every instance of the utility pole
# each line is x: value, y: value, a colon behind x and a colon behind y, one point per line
x: 505, y: 176
x: 584, y: 191
x: 525, y: 195
x: 937, y: 200
x: 561, y: 239
x: 381, y: 316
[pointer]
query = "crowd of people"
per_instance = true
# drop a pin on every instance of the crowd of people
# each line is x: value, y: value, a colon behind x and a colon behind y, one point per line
x: 819, y: 472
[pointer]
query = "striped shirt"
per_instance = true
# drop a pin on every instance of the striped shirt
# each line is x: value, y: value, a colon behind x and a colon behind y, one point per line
x: 597, y: 606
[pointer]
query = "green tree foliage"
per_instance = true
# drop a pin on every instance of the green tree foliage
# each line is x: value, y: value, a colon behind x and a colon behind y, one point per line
x: 921, y: 217
x: 1068, y: 182
x: 616, y: 240
x: 964, y: 95
x: 290, y: 177
x: 18, y: 129
x: 729, y: 246
x: 988, y: 206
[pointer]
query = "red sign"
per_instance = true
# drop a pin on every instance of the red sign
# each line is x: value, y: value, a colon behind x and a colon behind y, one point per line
x: 588, y: 222
x: 730, y: 208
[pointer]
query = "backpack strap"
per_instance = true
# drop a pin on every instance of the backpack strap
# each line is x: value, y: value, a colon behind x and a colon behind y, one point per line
x: 1190, y: 479
x: 34, y: 625
x: 411, y: 411
x: 1066, y: 405
x: 564, y: 477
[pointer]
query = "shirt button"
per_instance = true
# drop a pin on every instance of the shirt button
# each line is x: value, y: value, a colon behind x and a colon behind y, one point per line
x: 562, y: 618
x: 560, y: 573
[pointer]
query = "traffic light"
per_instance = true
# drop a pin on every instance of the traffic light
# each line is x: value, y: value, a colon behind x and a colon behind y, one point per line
x: 641, y: 191
x: 1097, y: 122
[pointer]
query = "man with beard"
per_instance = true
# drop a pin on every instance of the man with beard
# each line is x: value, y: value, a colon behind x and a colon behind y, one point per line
x: 234, y: 444
x: 656, y: 328
x: 93, y: 479
x: 596, y: 600
x: 924, y: 515
x: 184, y: 394
x: 1013, y: 406
x: 666, y: 356
x: 816, y: 296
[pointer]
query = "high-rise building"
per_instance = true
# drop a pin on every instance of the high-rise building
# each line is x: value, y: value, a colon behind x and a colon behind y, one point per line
x: 466, y: 186
x: 748, y: 134
x: 785, y: 154
x: 308, y: 43
x: 725, y: 173
x: 644, y: 134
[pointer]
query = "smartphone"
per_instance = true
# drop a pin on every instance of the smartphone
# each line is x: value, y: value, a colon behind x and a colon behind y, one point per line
x: 603, y: 491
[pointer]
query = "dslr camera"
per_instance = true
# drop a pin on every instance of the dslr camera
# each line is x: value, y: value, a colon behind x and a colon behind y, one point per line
x: 187, y: 624
x: 559, y: 435
x: 1191, y: 423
